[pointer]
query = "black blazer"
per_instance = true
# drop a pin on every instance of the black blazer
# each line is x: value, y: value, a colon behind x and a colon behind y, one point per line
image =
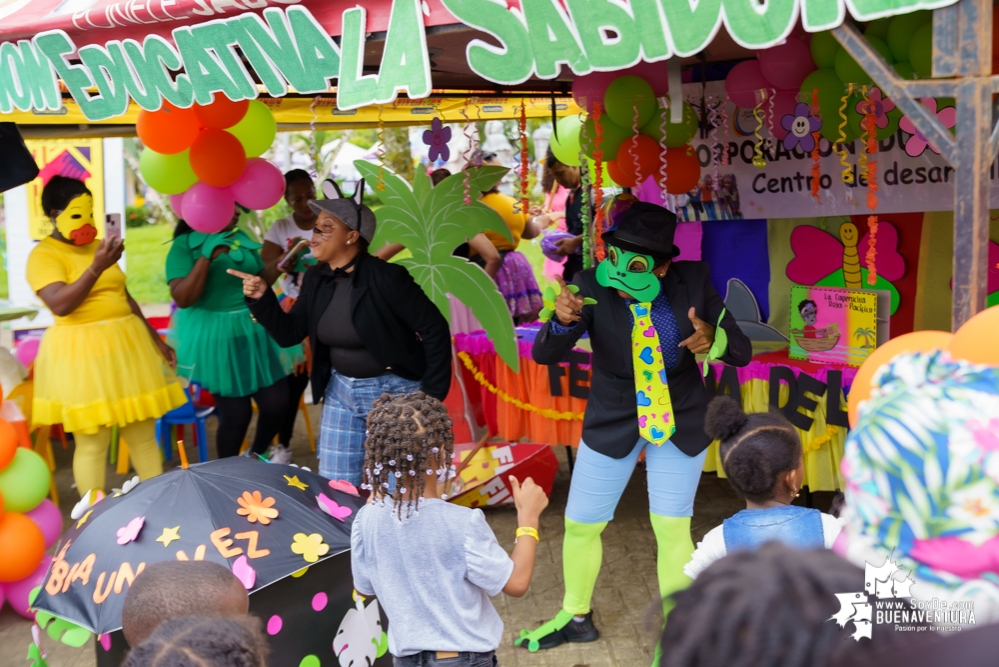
x: 610, y: 425
x: 399, y: 324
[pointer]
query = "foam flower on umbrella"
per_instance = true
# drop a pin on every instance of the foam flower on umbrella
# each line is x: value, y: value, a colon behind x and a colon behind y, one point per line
x: 436, y: 138
x: 877, y: 105
x: 917, y: 143
x: 800, y: 125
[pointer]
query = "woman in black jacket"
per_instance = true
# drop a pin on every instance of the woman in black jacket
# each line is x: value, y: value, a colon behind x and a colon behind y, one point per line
x: 371, y: 327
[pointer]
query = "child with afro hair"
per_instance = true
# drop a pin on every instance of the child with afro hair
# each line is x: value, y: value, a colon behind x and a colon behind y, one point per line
x: 762, y: 458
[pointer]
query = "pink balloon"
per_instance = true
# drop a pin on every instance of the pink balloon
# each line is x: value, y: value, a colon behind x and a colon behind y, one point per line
x: 47, y: 517
x: 261, y: 185
x: 19, y: 591
x: 655, y: 74
x: 590, y: 88
x: 786, y: 66
x: 784, y: 104
x: 208, y: 209
x: 177, y: 204
x: 743, y: 81
x: 27, y: 350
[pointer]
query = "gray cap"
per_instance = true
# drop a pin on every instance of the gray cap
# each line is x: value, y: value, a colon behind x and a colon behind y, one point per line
x: 350, y: 210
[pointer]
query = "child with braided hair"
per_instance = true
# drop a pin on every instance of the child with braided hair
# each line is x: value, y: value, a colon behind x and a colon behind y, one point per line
x: 762, y: 458
x: 203, y: 641
x: 406, y: 537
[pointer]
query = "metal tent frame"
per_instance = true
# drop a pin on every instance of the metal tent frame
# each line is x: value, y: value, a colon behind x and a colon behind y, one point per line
x: 962, y: 59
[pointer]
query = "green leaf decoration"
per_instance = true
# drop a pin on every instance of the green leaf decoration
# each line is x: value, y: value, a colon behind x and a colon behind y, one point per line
x: 587, y: 301
x: 58, y: 629
x: 431, y: 222
x: 35, y: 656
x: 548, y: 296
x: 382, y: 645
x: 720, y: 345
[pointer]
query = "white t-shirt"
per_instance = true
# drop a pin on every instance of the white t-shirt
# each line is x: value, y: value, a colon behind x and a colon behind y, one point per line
x: 284, y: 233
x: 712, y: 548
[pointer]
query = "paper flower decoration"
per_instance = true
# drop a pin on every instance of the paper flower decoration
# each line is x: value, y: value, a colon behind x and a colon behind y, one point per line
x: 799, y: 126
x: 917, y: 143
x: 309, y: 547
x: 130, y: 532
x: 126, y: 487
x: 243, y: 571
x: 256, y: 508
x: 332, y: 508
x: 436, y: 138
x: 876, y: 105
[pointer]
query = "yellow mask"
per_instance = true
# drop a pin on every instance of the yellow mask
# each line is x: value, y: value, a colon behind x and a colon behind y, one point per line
x: 76, y: 222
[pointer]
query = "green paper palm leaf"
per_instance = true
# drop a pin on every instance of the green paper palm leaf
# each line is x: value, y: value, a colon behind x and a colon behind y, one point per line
x: 431, y: 222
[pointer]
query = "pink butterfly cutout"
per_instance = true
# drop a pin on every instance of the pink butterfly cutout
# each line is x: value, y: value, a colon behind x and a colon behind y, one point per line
x: 331, y: 507
x: 817, y: 254
x: 244, y: 572
x: 130, y: 532
x: 344, y: 486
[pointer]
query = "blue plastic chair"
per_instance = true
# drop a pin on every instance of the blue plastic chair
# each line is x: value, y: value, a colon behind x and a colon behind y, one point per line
x: 185, y: 414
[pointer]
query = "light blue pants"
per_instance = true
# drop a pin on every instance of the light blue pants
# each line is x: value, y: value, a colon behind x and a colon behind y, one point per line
x: 598, y: 481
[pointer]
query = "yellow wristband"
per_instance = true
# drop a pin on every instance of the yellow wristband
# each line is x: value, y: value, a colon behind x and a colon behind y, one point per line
x: 527, y: 530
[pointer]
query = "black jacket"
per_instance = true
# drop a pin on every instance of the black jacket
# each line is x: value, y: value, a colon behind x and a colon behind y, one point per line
x: 611, y: 422
x: 400, y: 326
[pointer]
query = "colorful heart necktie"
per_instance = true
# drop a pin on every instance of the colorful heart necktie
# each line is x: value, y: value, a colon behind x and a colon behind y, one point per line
x: 655, y: 409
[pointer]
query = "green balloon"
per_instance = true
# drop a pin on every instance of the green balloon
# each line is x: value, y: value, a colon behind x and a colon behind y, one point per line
x: 849, y: 71
x: 607, y: 181
x: 830, y: 94
x: 901, y: 30
x: 904, y: 70
x: 678, y: 134
x: 824, y: 48
x: 613, y: 137
x: 878, y: 29
x: 167, y: 174
x: 625, y: 95
x: 565, y: 146
x: 921, y: 51
x: 25, y: 481
x: 256, y: 130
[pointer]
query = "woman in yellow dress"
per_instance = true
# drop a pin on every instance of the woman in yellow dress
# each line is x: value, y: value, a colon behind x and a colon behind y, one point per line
x: 101, y: 364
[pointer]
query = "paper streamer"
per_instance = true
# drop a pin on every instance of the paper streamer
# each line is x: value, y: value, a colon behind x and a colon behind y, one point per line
x: 847, y: 175
x: 716, y: 149
x: 525, y: 161
x: 870, y: 120
x: 598, y: 177
x: 724, y: 116
x: 872, y: 253
x: 584, y: 179
x: 816, y: 158
x: 380, y: 186
x: 312, y: 136
x: 771, y: 100
x: 758, y: 160
x: 663, y: 122
x: 633, y: 150
x: 466, y: 183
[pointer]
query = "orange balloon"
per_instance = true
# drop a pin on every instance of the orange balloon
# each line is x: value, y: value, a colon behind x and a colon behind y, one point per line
x: 638, y: 158
x: 618, y: 176
x: 22, y: 545
x: 917, y: 341
x: 169, y: 130
x: 221, y: 113
x: 975, y: 341
x: 683, y: 170
x: 218, y: 158
x: 8, y: 443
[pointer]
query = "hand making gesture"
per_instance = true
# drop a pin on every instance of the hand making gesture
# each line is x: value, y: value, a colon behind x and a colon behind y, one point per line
x: 568, y: 306
x: 704, y: 335
x: 253, y: 286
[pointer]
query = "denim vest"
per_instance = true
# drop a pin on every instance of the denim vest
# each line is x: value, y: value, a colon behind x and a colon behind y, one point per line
x: 798, y: 527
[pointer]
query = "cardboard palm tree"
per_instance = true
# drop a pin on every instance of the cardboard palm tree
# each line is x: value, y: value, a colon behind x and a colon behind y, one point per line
x: 431, y: 221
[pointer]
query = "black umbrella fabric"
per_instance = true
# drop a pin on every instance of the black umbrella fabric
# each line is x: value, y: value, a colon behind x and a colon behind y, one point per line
x: 264, y: 521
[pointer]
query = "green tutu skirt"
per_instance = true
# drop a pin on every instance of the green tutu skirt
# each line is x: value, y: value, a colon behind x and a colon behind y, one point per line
x: 228, y: 353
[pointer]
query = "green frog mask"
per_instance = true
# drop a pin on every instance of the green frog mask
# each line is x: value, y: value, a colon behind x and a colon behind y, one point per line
x: 629, y: 272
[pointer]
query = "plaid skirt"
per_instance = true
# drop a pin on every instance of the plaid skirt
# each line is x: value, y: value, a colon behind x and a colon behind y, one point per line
x: 519, y: 287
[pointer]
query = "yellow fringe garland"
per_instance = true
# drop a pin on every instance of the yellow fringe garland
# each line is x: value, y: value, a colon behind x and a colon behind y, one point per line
x: 826, y: 436
x: 547, y: 413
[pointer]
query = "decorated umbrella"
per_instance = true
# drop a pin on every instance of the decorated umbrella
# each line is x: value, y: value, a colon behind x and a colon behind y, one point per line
x: 264, y: 521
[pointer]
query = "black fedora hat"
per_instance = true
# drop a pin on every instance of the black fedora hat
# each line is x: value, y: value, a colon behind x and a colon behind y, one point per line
x: 647, y: 229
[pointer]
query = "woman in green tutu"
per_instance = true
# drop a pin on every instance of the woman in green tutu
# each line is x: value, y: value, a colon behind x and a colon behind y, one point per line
x: 218, y: 341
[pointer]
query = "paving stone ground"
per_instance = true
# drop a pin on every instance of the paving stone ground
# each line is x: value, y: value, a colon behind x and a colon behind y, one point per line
x: 626, y: 608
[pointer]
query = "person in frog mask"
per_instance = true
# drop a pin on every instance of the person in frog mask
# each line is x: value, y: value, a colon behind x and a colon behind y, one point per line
x: 101, y: 364
x: 647, y: 317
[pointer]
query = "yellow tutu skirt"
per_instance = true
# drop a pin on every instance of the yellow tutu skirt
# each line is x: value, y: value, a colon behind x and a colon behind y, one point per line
x: 100, y: 374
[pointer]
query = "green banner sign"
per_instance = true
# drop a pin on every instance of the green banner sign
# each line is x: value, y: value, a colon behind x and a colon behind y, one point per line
x: 288, y: 48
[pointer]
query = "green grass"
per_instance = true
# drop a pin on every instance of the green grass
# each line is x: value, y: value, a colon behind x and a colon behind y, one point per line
x: 146, y: 249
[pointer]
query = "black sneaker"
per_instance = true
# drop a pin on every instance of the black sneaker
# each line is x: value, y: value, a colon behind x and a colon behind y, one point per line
x: 574, y: 632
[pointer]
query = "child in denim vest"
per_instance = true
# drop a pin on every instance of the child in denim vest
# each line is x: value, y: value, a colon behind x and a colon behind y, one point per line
x: 762, y: 458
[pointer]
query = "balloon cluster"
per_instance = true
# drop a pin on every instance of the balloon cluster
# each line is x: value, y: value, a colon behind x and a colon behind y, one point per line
x: 905, y: 42
x: 30, y: 523
x: 771, y: 82
x: 628, y: 133
x: 207, y: 159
